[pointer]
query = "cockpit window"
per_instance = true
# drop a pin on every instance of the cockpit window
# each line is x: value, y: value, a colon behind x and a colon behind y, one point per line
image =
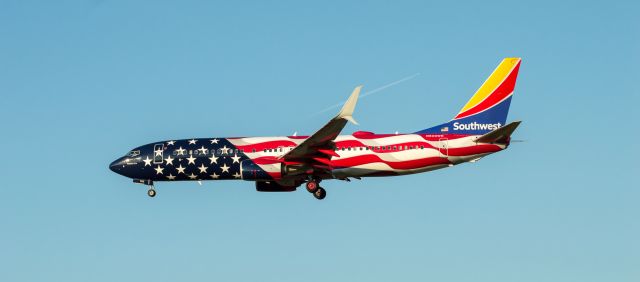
x: 133, y: 153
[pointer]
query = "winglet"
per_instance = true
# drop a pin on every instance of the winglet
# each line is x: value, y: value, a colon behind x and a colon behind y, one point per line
x: 347, y: 110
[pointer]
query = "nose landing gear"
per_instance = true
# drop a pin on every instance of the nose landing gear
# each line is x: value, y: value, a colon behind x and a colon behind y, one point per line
x: 151, y: 192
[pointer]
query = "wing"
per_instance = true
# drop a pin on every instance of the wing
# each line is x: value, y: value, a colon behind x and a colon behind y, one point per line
x: 318, y: 148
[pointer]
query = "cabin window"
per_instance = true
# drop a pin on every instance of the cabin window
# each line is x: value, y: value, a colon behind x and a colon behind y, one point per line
x: 421, y: 147
x: 134, y: 153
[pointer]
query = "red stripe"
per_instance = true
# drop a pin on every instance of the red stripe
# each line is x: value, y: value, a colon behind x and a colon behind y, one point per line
x: 439, y: 137
x: 267, y: 160
x: 498, y: 95
x: 473, y: 150
x: 355, y: 143
x: 410, y: 164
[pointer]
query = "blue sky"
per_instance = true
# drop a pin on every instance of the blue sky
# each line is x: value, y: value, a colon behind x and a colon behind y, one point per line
x: 84, y: 81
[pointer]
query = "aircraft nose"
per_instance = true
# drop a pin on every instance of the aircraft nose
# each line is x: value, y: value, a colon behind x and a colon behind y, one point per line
x: 116, y: 166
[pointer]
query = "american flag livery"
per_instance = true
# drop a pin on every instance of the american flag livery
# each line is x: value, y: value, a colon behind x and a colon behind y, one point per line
x: 283, y: 163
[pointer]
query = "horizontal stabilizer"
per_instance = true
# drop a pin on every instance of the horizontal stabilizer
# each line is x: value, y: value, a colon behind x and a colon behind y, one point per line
x: 500, y: 135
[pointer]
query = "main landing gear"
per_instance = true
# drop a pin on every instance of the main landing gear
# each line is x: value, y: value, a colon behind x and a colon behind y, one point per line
x: 314, y: 188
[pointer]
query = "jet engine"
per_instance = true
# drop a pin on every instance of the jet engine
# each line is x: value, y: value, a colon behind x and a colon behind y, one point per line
x: 272, y: 186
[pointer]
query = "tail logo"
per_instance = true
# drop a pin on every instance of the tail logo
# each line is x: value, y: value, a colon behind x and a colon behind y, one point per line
x: 488, y: 108
x: 476, y: 126
x: 495, y: 90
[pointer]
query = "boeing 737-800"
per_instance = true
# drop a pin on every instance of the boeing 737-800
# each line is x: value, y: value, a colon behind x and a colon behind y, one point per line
x: 282, y: 164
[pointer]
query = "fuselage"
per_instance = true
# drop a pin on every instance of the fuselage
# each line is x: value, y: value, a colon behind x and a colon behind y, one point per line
x: 281, y: 164
x: 362, y: 154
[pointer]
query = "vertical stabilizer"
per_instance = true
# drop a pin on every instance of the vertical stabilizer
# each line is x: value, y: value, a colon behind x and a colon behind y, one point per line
x: 488, y: 108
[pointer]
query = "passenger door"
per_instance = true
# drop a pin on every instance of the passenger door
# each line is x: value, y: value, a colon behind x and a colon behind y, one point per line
x: 443, y: 147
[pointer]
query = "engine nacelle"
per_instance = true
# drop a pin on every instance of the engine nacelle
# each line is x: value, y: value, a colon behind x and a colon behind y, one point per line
x: 272, y: 186
x: 265, y: 172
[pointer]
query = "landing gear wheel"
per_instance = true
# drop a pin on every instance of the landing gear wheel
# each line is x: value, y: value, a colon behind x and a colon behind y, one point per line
x: 320, y: 193
x: 151, y: 193
x: 312, y: 186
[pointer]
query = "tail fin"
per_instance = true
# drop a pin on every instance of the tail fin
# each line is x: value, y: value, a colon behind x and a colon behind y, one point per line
x: 488, y: 108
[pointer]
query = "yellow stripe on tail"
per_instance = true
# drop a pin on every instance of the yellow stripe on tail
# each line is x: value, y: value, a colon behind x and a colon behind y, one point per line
x: 495, y: 79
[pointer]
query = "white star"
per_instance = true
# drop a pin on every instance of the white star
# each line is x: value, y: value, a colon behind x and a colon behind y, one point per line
x: 203, y: 169
x: 171, y: 177
x: 215, y: 176
x: 236, y: 159
x: 171, y: 143
x: 192, y: 176
x: 214, y: 141
x: 180, y: 169
x: 224, y: 149
x: 169, y: 160
x: 214, y: 159
x: 158, y: 152
x: 236, y: 175
x: 181, y: 151
x: 159, y: 170
x: 192, y: 141
x: 203, y: 149
x: 191, y: 160
x: 147, y: 161
x: 225, y: 168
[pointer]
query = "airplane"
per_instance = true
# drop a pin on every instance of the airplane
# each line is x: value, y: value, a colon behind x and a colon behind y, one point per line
x: 282, y: 164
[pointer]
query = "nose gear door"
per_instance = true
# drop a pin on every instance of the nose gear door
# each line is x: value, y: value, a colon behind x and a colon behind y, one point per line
x: 158, y: 151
